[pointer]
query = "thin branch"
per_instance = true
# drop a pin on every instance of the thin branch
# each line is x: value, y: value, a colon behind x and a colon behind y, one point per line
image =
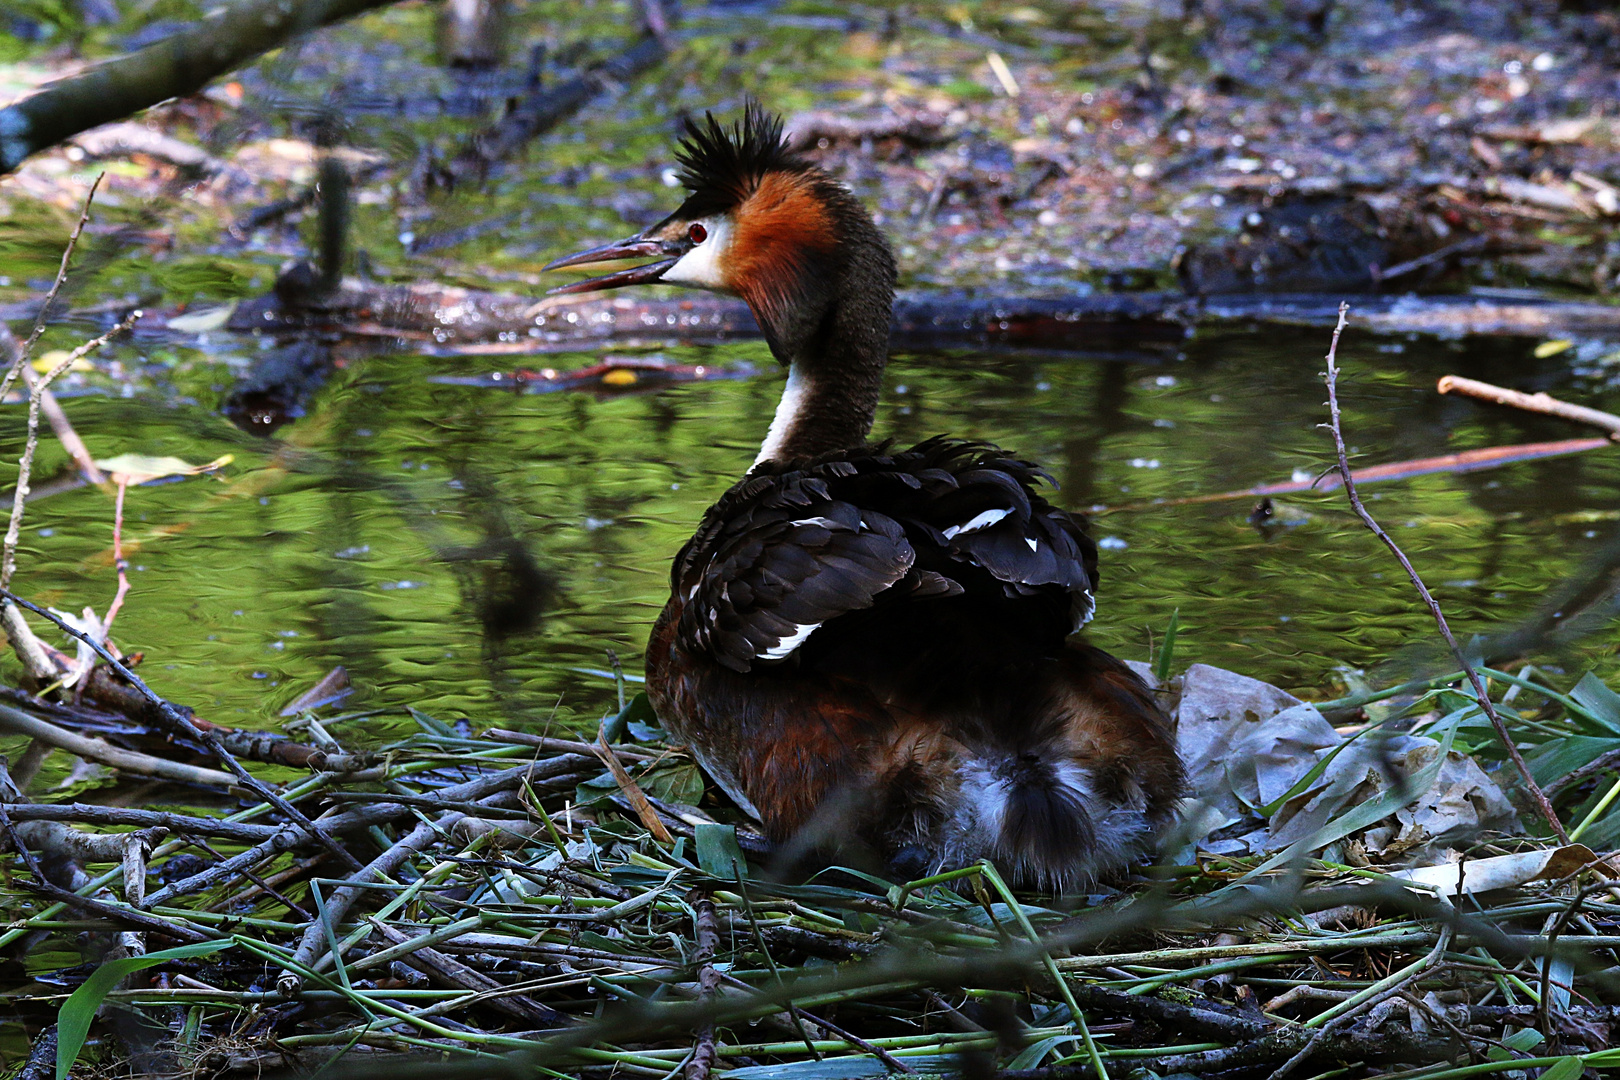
x: 19, y: 498
x: 41, y: 668
x: 12, y: 349
x: 63, y: 428
x: 119, y: 561
x: 56, y: 286
x: 182, y: 63
x: 133, y: 761
x: 706, y: 931
x: 1332, y: 379
x: 1541, y: 403
x: 34, y: 656
x: 207, y: 736
x: 112, y: 912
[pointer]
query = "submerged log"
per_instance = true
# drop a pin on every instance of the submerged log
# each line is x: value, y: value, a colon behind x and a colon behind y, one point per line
x: 448, y: 319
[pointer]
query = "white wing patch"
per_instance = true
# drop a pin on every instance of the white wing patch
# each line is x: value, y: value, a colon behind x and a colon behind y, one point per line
x: 1034, y: 544
x: 980, y: 521
x: 825, y: 523
x: 784, y: 648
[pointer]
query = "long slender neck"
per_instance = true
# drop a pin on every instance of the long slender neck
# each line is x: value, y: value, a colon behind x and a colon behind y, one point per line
x: 835, y: 363
x: 825, y: 406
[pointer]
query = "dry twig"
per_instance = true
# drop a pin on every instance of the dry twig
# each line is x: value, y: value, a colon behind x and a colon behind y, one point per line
x: 15, y: 720
x: 707, y: 933
x: 41, y: 668
x: 183, y: 724
x: 1332, y: 378
x: 56, y: 287
x: 1541, y: 403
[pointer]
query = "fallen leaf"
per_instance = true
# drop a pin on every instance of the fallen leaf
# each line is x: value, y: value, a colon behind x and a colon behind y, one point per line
x: 46, y: 363
x: 200, y: 322
x: 139, y: 468
x: 1506, y: 871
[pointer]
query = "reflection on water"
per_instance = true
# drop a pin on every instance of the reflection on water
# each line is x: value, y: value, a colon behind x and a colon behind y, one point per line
x: 414, y: 531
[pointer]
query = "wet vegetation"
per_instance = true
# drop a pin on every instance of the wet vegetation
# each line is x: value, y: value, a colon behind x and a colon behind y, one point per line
x: 414, y: 585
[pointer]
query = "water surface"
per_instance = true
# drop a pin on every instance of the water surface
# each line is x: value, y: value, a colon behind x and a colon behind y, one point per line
x: 476, y: 552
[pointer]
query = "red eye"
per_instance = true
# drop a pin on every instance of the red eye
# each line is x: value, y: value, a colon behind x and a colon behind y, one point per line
x: 697, y: 233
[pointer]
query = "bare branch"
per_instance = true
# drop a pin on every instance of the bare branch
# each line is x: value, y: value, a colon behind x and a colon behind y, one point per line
x: 1541, y: 403
x: 56, y: 286
x: 19, y: 498
x: 1332, y: 379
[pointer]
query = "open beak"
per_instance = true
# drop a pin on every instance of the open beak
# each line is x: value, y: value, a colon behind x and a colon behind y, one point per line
x: 639, y: 246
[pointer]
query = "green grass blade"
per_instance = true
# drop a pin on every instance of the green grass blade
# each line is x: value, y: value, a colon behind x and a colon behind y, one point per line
x: 73, y: 1024
x: 1167, y: 651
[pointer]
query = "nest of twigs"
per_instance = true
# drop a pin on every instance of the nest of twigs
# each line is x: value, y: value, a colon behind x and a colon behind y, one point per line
x: 515, y: 904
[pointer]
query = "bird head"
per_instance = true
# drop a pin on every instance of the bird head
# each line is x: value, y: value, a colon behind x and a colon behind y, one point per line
x: 759, y: 222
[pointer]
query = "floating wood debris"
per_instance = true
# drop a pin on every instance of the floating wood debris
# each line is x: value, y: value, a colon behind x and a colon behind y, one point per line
x: 1464, y: 461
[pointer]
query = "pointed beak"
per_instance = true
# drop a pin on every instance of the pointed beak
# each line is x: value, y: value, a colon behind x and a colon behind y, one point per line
x: 636, y: 247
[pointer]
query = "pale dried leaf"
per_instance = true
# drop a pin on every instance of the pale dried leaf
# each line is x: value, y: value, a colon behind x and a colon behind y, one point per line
x: 1507, y: 871
x: 139, y: 468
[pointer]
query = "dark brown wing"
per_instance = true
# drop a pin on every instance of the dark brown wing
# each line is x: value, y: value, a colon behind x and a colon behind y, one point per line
x: 978, y: 510
x: 784, y: 553
x: 775, y: 559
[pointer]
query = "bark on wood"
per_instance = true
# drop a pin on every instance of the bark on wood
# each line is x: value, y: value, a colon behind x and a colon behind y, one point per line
x: 448, y: 971
x: 178, y: 65
x: 117, y: 915
x: 244, y: 831
x: 1393, y: 1046
x: 179, y: 720
x: 383, y: 866
x: 707, y: 934
x: 41, y: 1063
x: 1541, y: 403
x: 76, y: 844
x: 1258, y: 1056
x: 104, y: 687
x: 22, y: 723
x: 451, y: 319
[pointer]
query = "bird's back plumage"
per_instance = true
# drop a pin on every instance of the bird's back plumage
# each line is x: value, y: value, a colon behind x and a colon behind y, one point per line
x: 869, y: 650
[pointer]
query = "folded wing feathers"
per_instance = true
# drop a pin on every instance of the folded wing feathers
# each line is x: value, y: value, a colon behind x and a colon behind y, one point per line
x: 781, y: 554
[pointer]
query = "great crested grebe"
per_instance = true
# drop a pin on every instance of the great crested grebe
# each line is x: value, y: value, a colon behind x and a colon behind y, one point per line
x: 867, y: 648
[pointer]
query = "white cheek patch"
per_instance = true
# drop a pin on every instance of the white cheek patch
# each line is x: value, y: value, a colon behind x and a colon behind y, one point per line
x: 700, y: 267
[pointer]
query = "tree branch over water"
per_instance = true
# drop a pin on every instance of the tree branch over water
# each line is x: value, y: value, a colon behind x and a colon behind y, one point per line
x: 174, y: 67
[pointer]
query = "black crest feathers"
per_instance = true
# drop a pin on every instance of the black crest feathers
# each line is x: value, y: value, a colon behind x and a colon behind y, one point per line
x: 721, y: 166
